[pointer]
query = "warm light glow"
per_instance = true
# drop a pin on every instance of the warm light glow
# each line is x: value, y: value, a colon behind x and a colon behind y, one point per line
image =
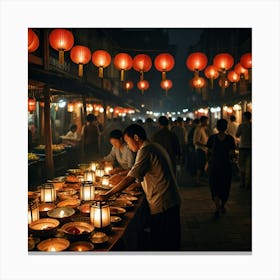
x: 196, y: 61
x: 99, y: 172
x: 105, y: 180
x: 100, y: 215
x: 223, y: 61
x: 87, y: 191
x: 33, y: 212
x: 70, y: 107
x: 89, y: 176
x: 93, y: 166
x: 48, y: 193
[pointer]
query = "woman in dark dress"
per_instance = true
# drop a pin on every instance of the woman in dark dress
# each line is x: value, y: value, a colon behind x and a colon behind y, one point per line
x: 221, y: 148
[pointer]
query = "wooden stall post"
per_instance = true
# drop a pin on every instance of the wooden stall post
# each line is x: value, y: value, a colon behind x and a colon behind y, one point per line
x: 48, y: 135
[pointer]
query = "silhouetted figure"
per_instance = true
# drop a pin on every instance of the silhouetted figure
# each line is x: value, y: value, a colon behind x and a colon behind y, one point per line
x: 220, y: 153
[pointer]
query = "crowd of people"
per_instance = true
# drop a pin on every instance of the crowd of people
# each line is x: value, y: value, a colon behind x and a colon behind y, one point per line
x: 154, y: 154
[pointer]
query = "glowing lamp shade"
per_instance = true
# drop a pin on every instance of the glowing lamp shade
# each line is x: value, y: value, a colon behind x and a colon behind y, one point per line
x: 198, y: 82
x: 123, y: 62
x: 70, y: 107
x: 87, y: 191
x: 33, y: 212
x: 31, y: 104
x: 100, y: 215
x: 33, y: 41
x: 143, y: 85
x: 223, y: 61
x: 142, y: 63
x: 196, y: 62
x: 48, y: 193
x: 246, y: 60
x: 93, y: 166
x: 224, y: 83
x: 101, y: 59
x: 128, y: 85
x: 80, y: 55
x: 211, y: 73
x: 99, y: 172
x: 89, y: 175
x: 234, y: 78
x: 164, y: 62
x: 61, y: 40
x: 105, y: 180
x: 166, y: 85
x: 108, y: 167
x: 243, y: 72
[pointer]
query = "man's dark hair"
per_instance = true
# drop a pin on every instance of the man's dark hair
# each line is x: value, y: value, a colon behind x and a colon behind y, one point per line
x: 149, y: 120
x: 247, y: 115
x: 232, y: 118
x: 163, y: 121
x: 137, y: 129
x: 222, y: 124
x: 116, y: 134
x: 73, y: 127
x: 179, y: 119
x: 91, y: 118
x: 203, y: 119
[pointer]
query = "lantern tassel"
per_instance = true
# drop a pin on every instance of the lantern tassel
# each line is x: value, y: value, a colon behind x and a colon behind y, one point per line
x: 211, y: 83
x: 100, y: 72
x: 196, y: 74
x: 122, y: 75
x: 80, y: 70
x: 163, y: 76
x: 61, y: 56
x: 141, y: 75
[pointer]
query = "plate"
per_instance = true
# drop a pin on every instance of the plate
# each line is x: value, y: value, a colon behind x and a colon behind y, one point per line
x: 73, y: 203
x: 53, y: 245
x: 115, y: 219
x: 77, y: 229
x: 61, y: 212
x: 99, y: 238
x: 128, y: 197
x: 117, y: 211
x: 74, y: 171
x: 85, y: 208
x: 121, y: 203
x: 81, y: 246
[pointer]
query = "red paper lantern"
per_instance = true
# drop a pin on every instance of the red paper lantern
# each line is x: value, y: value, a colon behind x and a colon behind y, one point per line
x: 233, y: 76
x: 239, y: 69
x: 101, y: 59
x: 211, y: 73
x: 224, y: 83
x: 164, y: 62
x: 31, y: 104
x: 80, y: 55
x: 198, y: 82
x: 33, y: 41
x: 61, y: 40
x: 223, y: 61
x: 143, y: 85
x: 128, y: 85
x: 246, y: 60
x: 123, y: 61
x: 142, y: 63
x: 166, y: 85
x: 196, y: 62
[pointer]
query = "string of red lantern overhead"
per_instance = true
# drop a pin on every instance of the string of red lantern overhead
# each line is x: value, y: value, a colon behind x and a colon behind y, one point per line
x: 164, y: 62
x: 33, y: 41
x: 128, y: 85
x: 101, y: 59
x: 211, y: 73
x: 142, y: 63
x: 166, y: 85
x: 61, y: 40
x: 123, y: 62
x: 143, y: 85
x: 80, y: 55
x: 196, y: 62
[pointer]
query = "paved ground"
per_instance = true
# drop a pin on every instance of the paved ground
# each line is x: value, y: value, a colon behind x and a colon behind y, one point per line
x: 201, y: 231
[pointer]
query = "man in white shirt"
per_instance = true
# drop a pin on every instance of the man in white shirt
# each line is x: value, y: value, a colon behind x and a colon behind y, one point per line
x: 153, y: 169
x: 232, y: 128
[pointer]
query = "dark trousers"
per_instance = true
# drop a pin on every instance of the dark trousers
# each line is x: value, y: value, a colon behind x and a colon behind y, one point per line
x: 166, y: 230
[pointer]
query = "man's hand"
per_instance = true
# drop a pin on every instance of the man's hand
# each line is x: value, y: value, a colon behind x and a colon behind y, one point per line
x: 101, y: 197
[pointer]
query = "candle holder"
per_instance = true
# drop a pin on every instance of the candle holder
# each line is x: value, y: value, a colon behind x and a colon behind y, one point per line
x: 93, y: 166
x: 87, y: 191
x: 89, y: 176
x: 100, y: 216
x: 33, y: 212
x: 105, y: 181
x: 108, y: 167
x: 48, y: 193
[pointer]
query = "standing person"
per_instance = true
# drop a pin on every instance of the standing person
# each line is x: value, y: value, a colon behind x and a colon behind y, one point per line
x: 220, y: 153
x: 232, y: 128
x: 168, y: 140
x: 120, y: 153
x: 191, y: 164
x: 200, y: 139
x: 90, y: 135
x: 153, y: 169
x: 244, y: 131
x: 150, y: 128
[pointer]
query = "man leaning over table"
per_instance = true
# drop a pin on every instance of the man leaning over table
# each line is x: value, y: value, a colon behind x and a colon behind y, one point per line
x: 153, y: 169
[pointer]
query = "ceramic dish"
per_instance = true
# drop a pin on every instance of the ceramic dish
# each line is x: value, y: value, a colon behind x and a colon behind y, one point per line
x: 61, y: 212
x: 73, y: 203
x: 53, y: 245
x: 117, y: 211
x: 115, y: 219
x: 77, y: 230
x: 99, y: 238
x: 81, y: 246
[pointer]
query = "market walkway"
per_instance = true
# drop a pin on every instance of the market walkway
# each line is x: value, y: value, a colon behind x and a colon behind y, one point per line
x: 201, y: 231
